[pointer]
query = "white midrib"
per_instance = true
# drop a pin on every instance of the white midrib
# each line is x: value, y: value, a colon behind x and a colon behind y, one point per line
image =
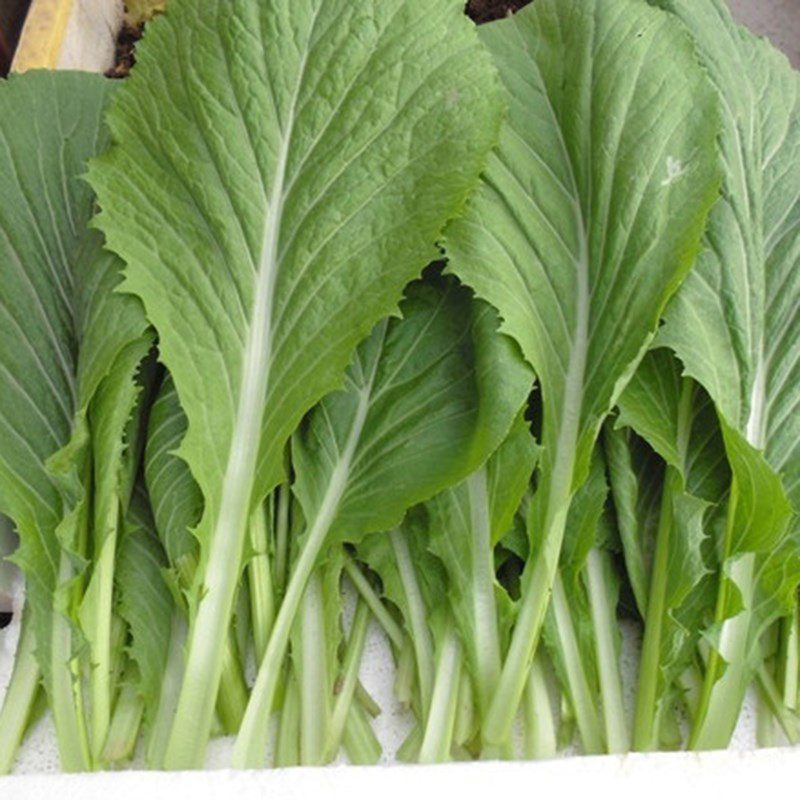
x: 243, y: 453
x: 484, y: 610
x: 313, y: 678
x: 569, y: 430
x: 756, y: 422
x: 204, y: 662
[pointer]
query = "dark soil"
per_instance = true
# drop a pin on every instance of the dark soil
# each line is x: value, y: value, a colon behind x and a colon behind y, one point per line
x: 12, y: 15
x: 5, y: 619
x: 487, y: 10
x: 124, y: 57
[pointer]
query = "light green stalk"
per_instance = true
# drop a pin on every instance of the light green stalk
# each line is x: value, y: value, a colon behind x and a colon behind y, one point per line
x: 348, y: 681
x: 20, y: 696
x: 439, y: 726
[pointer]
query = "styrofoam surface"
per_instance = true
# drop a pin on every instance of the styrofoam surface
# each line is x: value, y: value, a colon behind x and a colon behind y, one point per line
x: 740, y: 769
x: 765, y: 773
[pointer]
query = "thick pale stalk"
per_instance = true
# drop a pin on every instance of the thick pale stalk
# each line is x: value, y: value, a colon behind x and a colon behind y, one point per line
x: 583, y: 703
x: 604, y: 622
x: 774, y: 710
x: 440, y: 723
x: 727, y: 675
x: 170, y: 692
x: 287, y: 747
x: 126, y: 723
x: 102, y: 582
x: 485, y: 642
x: 250, y: 748
x: 313, y: 679
x: 541, y: 735
x: 360, y: 743
x: 790, y: 659
x: 537, y: 588
x: 65, y: 697
x: 233, y: 695
x: 20, y: 696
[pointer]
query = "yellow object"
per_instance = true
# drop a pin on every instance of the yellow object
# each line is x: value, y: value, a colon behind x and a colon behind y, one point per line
x: 139, y: 11
x: 42, y: 35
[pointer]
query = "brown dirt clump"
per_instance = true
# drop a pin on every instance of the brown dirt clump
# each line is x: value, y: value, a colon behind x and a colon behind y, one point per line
x: 487, y: 10
x: 125, y: 55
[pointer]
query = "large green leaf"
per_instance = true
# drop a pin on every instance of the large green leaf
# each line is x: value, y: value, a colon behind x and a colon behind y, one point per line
x: 56, y: 352
x: 588, y: 218
x: 271, y: 199
x: 736, y: 325
x: 427, y: 398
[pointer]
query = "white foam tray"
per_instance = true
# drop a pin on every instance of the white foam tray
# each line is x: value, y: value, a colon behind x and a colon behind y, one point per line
x: 80, y: 35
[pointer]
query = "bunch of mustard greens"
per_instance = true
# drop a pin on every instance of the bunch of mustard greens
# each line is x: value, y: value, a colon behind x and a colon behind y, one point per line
x: 336, y: 317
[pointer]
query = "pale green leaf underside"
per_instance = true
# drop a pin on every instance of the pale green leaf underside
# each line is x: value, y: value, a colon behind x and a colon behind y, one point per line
x: 736, y: 322
x: 591, y: 209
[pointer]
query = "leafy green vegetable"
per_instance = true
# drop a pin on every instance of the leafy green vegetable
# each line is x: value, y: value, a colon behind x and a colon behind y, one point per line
x: 240, y: 420
x: 735, y: 327
x: 426, y: 399
x: 279, y: 210
x: 676, y: 417
x: 580, y: 628
x: 58, y: 358
x: 588, y: 218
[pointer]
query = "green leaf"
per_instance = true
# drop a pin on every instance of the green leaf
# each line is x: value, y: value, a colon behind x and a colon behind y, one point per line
x: 427, y: 398
x: 588, y: 218
x: 674, y: 415
x: 145, y: 601
x: 56, y: 350
x: 175, y: 496
x: 271, y: 199
x: 735, y: 325
x: 636, y: 475
x: 114, y: 416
